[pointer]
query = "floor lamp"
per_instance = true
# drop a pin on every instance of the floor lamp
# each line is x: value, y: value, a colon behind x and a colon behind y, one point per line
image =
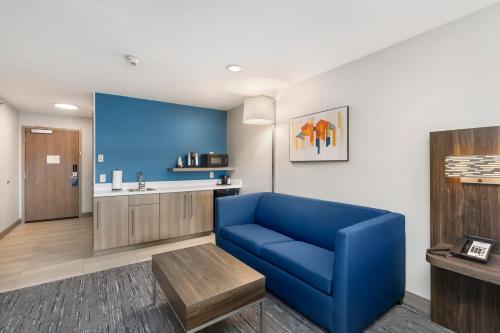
x: 260, y: 110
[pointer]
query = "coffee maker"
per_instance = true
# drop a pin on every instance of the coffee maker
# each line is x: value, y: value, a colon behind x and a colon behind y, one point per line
x: 193, y: 160
x: 224, y: 180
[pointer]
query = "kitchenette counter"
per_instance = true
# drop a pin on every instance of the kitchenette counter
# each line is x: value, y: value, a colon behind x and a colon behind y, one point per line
x: 104, y: 190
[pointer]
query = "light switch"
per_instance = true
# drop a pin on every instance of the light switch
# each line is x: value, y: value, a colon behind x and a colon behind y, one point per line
x: 211, y: 174
x: 102, y: 178
x: 100, y: 158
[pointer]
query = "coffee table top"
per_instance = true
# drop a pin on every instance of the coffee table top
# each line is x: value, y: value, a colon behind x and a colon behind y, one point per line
x: 204, y: 282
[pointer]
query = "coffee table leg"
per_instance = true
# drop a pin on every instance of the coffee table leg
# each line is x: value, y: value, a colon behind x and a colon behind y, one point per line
x: 154, y: 291
x: 261, y: 328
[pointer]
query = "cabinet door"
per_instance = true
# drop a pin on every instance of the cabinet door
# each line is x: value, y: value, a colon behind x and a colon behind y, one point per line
x: 174, y: 214
x: 144, y: 223
x: 110, y: 222
x: 201, y: 211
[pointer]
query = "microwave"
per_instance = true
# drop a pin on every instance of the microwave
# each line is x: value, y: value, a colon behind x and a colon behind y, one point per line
x: 214, y: 160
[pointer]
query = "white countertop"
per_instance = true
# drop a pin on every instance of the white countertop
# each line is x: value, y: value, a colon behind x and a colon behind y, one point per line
x: 104, y: 190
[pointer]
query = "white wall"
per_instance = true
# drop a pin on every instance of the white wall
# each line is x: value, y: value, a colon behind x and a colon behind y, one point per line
x: 77, y: 123
x: 9, y: 166
x: 250, y: 149
x: 447, y: 78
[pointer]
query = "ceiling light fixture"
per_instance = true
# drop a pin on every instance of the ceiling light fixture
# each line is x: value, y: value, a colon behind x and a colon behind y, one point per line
x: 132, y: 59
x: 234, y: 68
x: 65, y: 106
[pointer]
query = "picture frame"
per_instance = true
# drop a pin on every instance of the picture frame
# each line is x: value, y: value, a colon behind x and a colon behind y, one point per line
x: 320, y: 136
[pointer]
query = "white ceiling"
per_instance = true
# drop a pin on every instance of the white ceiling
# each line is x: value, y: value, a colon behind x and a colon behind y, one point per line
x: 61, y: 51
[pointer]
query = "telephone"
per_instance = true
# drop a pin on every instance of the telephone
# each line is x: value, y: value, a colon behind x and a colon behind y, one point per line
x: 473, y: 248
x: 468, y: 247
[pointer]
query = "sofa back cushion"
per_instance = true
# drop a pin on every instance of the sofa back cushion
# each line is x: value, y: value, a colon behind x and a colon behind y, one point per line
x: 309, y: 220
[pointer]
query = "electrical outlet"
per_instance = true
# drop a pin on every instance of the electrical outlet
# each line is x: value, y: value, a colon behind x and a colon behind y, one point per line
x: 102, y: 178
x: 100, y: 158
x: 211, y: 174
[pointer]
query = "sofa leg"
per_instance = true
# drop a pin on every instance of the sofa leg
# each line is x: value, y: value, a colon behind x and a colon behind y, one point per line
x: 400, y: 302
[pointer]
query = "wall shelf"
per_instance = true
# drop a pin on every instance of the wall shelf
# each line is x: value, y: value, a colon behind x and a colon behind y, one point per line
x: 200, y: 169
x: 489, y: 272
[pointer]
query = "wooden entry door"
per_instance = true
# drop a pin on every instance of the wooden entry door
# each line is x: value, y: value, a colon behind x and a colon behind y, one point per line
x: 51, y: 188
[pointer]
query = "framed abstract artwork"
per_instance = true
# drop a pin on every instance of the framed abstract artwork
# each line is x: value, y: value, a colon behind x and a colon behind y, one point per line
x: 321, y: 136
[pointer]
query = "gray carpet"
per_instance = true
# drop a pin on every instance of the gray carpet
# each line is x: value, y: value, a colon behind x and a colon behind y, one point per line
x: 118, y: 300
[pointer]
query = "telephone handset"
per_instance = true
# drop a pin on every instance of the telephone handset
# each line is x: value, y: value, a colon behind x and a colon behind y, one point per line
x: 473, y: 248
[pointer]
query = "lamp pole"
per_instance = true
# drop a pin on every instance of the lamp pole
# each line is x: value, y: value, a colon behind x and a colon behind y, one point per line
x: 273, y: 152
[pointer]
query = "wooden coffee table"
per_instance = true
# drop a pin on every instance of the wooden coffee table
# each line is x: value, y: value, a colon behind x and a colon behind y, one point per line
x: 204, y: 284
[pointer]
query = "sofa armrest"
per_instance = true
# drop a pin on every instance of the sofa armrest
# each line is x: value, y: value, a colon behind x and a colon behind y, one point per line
x: 237, y: 209
x: 369, y: 272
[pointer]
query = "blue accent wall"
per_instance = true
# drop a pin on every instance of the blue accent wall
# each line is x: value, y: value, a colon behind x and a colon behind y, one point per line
x: 143, y: 135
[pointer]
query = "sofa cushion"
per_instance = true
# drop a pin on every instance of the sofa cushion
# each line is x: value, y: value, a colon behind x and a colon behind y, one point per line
x: 309, y: 220
x: 252, y: 236
x: 307, y: 262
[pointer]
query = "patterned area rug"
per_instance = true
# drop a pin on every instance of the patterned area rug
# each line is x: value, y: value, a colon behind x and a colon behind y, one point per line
x: 119, y: 300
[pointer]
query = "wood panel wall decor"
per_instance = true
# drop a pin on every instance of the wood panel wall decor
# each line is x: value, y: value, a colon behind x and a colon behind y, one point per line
x: 462, y: 303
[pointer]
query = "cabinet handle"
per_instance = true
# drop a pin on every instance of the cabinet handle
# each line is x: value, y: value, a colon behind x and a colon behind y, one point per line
x: 185, y: 205
x: 191, y: 205
x: 97, y: 215
x: 133, y: 221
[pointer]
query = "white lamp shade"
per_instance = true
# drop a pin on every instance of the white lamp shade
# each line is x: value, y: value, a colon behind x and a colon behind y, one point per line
x: 258, y: 110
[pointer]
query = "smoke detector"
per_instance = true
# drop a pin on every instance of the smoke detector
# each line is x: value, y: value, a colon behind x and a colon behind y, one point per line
x: 132, y: 59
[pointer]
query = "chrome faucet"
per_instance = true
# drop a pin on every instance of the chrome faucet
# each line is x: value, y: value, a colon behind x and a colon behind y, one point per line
x: 142, y: 183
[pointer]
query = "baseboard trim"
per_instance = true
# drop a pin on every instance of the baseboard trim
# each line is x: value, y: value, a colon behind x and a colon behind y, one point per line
x: 417, y: 302
x: 9, y: 228
x: 86, y: 214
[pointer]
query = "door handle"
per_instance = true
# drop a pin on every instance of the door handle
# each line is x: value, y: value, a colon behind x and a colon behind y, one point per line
x: 97, y: 214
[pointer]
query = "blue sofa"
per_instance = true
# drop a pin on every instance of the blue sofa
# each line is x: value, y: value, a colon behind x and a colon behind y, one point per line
x: 340, y: 265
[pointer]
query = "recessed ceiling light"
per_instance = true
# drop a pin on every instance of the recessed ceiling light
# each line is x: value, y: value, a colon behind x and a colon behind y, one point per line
x: 132, y: 59
x: 234, y: 68
x: 65, y: 106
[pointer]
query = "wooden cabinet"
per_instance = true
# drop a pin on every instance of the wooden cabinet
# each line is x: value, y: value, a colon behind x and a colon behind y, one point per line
x: 110, y: 222
x: 186, y: 213
x: 143, y: 199
x: 201, y: 214
x: 142, y: 218
x: 144, y: 223
x: 174, y: 215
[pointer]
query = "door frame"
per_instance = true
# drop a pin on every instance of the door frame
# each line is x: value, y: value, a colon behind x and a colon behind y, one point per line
x: 22, y: 174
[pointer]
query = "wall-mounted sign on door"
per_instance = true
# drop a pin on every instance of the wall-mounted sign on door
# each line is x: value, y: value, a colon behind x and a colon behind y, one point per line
x: 53, y: 159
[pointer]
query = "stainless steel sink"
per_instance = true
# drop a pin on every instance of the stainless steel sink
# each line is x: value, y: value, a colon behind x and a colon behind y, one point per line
x: 141, y: 189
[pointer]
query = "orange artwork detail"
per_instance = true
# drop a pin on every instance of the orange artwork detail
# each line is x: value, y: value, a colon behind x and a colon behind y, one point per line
x: 308, y: 130
x: 323, y: 131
